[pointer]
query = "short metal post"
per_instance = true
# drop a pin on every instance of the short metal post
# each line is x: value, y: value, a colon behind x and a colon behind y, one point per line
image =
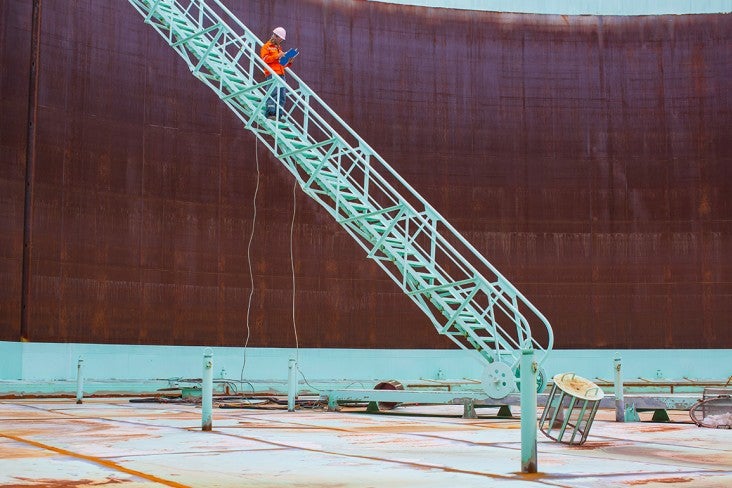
x: 291, y: 384
x: 619, y: 400
x: 207, y: 391
x: 469, y: 411
x: 528, y: 412
x: 79, y: 380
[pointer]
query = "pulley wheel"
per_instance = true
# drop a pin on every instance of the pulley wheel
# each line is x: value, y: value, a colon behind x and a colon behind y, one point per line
x: 388, y: 385
x: 540, y: 379
x: 498, y: 380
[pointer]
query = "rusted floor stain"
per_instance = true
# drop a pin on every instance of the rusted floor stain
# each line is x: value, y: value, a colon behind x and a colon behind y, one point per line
x: 15, y: 451
x: 670, y: 481
x: 715, y: 458
x: 430, y: 449
x: 61, y: 483
x: 93, y: 459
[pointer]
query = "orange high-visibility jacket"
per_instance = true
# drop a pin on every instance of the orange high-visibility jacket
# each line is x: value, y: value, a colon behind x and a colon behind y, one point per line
x: 271, y: 54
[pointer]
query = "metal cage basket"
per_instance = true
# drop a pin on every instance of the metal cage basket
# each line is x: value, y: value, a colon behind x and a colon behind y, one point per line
x: 714, y: 410
x: 570, y: 409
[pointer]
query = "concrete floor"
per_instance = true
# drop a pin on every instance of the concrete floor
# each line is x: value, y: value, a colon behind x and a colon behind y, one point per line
x: 114, y: 442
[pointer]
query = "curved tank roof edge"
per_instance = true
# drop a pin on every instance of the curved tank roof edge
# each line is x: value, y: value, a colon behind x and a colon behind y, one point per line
x: 585, y: 7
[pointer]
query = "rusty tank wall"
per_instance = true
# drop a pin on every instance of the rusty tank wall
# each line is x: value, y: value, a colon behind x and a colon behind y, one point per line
x: 589, y: 158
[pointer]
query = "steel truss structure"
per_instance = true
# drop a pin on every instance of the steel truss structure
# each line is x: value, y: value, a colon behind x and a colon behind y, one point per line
x: 462, y: 293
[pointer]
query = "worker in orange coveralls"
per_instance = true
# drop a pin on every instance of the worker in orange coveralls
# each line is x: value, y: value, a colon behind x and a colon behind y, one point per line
x: 271, y: 53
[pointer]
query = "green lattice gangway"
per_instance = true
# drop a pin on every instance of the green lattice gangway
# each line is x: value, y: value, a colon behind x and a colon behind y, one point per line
x: 464, y: 295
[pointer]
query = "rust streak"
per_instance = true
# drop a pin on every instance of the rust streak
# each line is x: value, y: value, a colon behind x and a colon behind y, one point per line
x: 93, y: 459
x: 661, y: 480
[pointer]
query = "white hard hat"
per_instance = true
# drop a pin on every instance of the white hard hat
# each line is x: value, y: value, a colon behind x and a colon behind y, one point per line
x: 280, y: 32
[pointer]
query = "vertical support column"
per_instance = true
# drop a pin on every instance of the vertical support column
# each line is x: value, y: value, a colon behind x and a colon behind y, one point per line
x: 619, y: 399
x: 207, y: 391
x: 291, y: 384
x: 528, y: 412
x: 79, y: 380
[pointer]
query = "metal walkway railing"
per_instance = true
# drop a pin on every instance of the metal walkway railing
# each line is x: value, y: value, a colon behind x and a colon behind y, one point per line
x: 463, y: 294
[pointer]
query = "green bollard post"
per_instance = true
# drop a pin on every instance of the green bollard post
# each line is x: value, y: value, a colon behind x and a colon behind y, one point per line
x: 79, y: 380
x: 207, y: 391
x: 291, y: 384
x: 528, y: 412
x: 619, y: 399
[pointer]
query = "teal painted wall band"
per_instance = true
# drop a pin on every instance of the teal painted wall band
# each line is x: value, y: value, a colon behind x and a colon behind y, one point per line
x: 30, y: 361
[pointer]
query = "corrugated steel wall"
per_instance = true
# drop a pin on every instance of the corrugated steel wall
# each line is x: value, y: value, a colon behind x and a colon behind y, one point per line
x: 589, y: 158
